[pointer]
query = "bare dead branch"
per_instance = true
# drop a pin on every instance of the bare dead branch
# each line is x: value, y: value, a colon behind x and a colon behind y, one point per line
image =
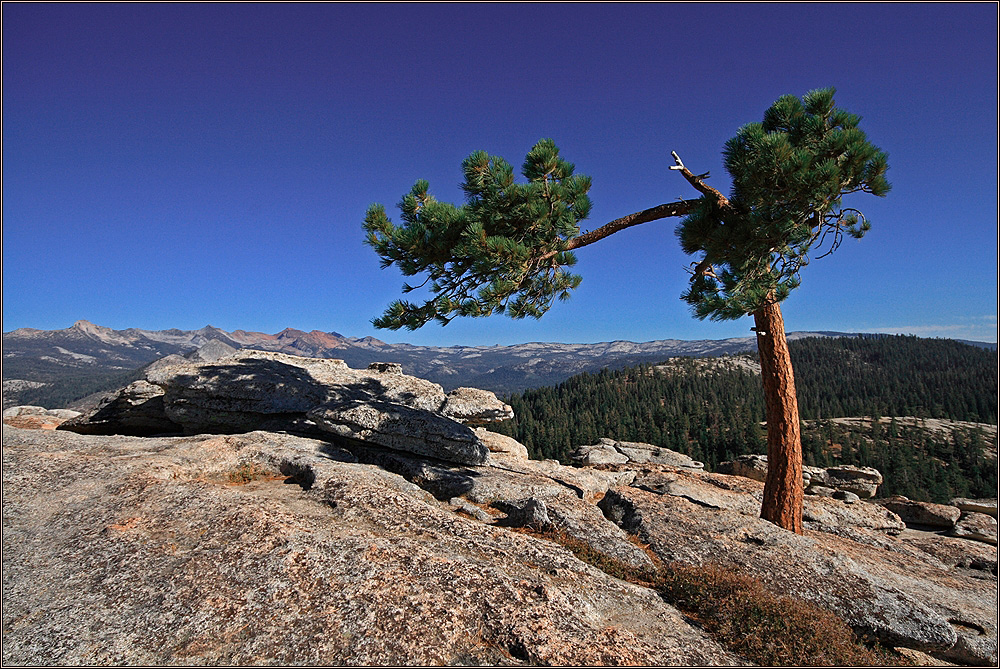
x: 698, y: 181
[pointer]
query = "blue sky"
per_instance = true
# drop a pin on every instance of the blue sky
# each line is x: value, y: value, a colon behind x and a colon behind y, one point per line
x: 177, y: 165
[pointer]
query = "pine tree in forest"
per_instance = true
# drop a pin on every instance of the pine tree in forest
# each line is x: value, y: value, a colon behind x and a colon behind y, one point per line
x: 507, y: 249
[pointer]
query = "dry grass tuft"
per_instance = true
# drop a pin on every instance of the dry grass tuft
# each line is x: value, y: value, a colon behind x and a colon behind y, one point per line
x: 742, y: 615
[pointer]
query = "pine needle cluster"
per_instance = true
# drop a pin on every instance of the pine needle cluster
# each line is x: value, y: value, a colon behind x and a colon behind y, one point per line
x: 502, y: 252
x: 789, y: 174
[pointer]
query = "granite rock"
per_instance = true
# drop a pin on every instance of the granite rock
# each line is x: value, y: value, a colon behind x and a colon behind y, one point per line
x: 986, y: 505
x: 147, y: 551
x: 611, y: 451
x: 881, y: 596
x: 976, y: 526
x: 922, y: 514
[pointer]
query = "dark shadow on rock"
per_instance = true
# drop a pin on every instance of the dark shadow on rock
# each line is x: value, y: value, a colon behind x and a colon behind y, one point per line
x: 441, y: 479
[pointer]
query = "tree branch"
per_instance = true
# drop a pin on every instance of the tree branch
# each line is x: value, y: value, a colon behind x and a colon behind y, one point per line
x: 680, y: 208
x: 698, y: 181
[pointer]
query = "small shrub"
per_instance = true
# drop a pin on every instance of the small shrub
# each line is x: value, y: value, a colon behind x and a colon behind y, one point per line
x: 742, y: 615
x: 247, y: 472
x: 768, y: 629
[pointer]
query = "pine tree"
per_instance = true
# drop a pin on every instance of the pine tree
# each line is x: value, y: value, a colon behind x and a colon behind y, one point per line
x: 506, y: 250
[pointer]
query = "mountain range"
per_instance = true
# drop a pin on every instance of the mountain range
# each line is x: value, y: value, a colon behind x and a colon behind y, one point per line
x: 87, y: 358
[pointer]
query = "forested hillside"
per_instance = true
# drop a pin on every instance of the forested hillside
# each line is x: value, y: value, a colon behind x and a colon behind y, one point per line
x: 712, y: 410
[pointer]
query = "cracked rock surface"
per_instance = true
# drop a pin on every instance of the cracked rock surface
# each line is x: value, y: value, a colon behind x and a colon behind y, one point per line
x: 125, y: 550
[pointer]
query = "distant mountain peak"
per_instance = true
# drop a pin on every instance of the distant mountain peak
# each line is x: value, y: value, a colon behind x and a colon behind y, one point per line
x: 99, y: 332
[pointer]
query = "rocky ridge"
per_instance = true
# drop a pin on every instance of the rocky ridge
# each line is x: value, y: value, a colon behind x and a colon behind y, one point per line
x: 321, y: 540
x: 46, y: 356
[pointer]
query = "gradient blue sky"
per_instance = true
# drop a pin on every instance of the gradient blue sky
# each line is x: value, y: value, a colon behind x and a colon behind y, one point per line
x: 177, y: 165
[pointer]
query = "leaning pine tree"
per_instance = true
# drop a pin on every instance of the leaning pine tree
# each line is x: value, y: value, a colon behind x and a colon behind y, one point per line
x: 506, y: 250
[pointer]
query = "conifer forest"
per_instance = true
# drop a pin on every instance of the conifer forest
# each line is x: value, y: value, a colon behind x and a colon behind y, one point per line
x: 714, y: 411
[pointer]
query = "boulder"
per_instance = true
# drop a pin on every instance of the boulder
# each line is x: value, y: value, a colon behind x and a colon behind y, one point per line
x: 37, y: 418
x: 986, y: 505
x: 137, y: 409
x: 610, y: 451
x: 530, y: 512
x: 601, y: 453
x: 751, y: 466
x: 977, y: 526
x: 501, y: 443
x: 922, y: 514
x: 401, y: 428
x: 475, y: 407
x: 846, y: 496
x: 862, y: 481
x: 251, y: 390
x: 744, y: 496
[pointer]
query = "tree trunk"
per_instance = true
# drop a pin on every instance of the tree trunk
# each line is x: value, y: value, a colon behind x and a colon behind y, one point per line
x: 783, y: 486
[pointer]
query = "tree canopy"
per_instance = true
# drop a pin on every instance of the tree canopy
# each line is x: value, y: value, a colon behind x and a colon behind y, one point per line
x: 789, y: 174
x: 508, y: 248
x: 503, y: 252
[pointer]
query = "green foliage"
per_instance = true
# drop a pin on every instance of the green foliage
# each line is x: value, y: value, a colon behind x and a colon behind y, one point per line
x: 789, y: 174
x: 923, y: 464
x: 502, y: 252
x: 709, y: 416
x: 715, y: 415
x: 894, y: 376
x: 73, y: 385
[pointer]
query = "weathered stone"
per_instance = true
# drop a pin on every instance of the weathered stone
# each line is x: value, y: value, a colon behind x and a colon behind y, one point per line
x: 701, y: 489
x: 829, y: 514
x: 501, y: 443
x: 979, y: 557
x: 252, y: 390
x: 401, y: 428
x: 601, y: 453
x: 128, y: 551
x: 862, y: 481
x: 586, y: 483
x: 820, y: 491
x: 386, y: 367
x: 817, y: 567
x: 846, y: 496
x: 530, y: 512
x: 136, y: 409
x: 470, y: 509
x: 813, y: 475
x: 475, y: 407
x: 751, y: 466
x: 987, y: 505
x: 976, y: 526
x: 569, y: 493
x: 744, y: 496
x: 610, y: 451
x: 37, y: 418
x: 922, y: 514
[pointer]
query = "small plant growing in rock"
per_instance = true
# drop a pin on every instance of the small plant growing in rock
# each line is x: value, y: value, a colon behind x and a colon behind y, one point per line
x: 742, y: 615
x: 247, y: 472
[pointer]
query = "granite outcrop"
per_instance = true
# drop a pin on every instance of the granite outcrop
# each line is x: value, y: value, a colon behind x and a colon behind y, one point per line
x: 267, y: 509
x: 250, y: 390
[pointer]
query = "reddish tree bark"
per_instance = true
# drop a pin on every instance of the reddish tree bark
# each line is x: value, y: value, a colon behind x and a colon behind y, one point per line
x: 783, y: 486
